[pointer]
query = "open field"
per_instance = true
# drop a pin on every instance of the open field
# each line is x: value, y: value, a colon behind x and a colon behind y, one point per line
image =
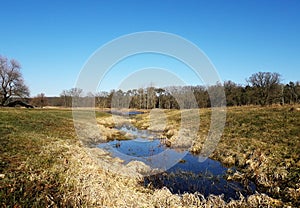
x: 42, y: 163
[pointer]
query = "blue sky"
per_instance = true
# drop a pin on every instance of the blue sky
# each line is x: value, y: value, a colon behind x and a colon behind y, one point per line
x: 53, y: 39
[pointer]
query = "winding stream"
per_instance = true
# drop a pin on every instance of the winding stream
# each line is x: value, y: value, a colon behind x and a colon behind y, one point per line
x: 187, y: 174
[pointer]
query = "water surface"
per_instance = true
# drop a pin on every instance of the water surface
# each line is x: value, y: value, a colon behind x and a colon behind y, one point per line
x: 187, y: 175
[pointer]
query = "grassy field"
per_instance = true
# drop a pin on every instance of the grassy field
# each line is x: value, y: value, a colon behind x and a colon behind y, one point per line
x: 263, y: 143
x: 42, y: 163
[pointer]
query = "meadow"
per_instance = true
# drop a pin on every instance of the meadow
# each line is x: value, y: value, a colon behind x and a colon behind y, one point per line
x: 43, y: 164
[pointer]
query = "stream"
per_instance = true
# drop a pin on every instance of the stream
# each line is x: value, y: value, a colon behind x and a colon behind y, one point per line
x: 185, y: 174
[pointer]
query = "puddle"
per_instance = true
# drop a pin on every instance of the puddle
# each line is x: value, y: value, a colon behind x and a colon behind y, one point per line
x: 187, y: 174
x: 137, y: 133
x: 124, y: 113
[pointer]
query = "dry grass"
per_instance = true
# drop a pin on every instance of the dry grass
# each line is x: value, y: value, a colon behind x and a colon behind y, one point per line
x: 42, y: 164
x: 263, y: 143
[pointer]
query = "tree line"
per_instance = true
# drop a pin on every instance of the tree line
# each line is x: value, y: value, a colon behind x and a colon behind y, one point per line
x: 262, y: 88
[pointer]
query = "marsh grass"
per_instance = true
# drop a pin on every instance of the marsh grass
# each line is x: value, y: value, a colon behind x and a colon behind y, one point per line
x: 43, y: 164
x: 191, y: 181
x: 262, y: 142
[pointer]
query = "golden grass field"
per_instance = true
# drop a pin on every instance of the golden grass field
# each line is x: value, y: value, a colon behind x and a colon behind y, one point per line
x: 43, y: 164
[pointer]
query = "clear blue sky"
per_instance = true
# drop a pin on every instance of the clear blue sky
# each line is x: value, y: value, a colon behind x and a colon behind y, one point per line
x: 53, y: 39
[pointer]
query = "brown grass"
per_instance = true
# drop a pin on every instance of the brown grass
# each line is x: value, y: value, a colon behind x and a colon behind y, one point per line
x: 43, y: 164
x: 263, y: 143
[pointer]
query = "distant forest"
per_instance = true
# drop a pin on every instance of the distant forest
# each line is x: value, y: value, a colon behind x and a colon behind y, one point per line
x: 262, y: 88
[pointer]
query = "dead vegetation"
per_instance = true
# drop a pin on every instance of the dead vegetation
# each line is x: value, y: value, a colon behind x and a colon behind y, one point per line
x: 43, y: 164
x: 262, y: 142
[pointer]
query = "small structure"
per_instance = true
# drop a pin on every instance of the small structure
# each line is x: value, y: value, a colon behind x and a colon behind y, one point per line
x: 20, y: 103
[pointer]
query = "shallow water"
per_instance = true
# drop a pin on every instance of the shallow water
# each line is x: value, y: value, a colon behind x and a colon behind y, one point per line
x: 124, y: 113
x: 187, y: 174
x: 207, y: 177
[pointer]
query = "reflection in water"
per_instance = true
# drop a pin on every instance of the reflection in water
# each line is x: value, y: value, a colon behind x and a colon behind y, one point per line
x: 124, y: 113
x: 185, y: 174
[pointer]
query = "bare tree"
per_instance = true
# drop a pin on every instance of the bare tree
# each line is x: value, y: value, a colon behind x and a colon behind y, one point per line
x: 75, y: 92
x: 151, y: 97
x: 67, y: 99
x: 101, y: 99
x: 69, y: 95
x: 266, y: 86
x: 11, y: 81
x: 40, y: 100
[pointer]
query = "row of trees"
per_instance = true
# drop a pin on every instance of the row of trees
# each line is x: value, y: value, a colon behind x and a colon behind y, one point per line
x: 263, y: 88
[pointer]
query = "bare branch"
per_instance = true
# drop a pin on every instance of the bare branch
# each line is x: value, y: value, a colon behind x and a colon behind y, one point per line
x: 11, y: 81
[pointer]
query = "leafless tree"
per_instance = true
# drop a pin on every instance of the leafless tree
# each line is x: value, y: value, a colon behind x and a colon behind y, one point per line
x: 266, y: 86
x: 40, y: 100
x: 11, y: 81
x: 74, y: 94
